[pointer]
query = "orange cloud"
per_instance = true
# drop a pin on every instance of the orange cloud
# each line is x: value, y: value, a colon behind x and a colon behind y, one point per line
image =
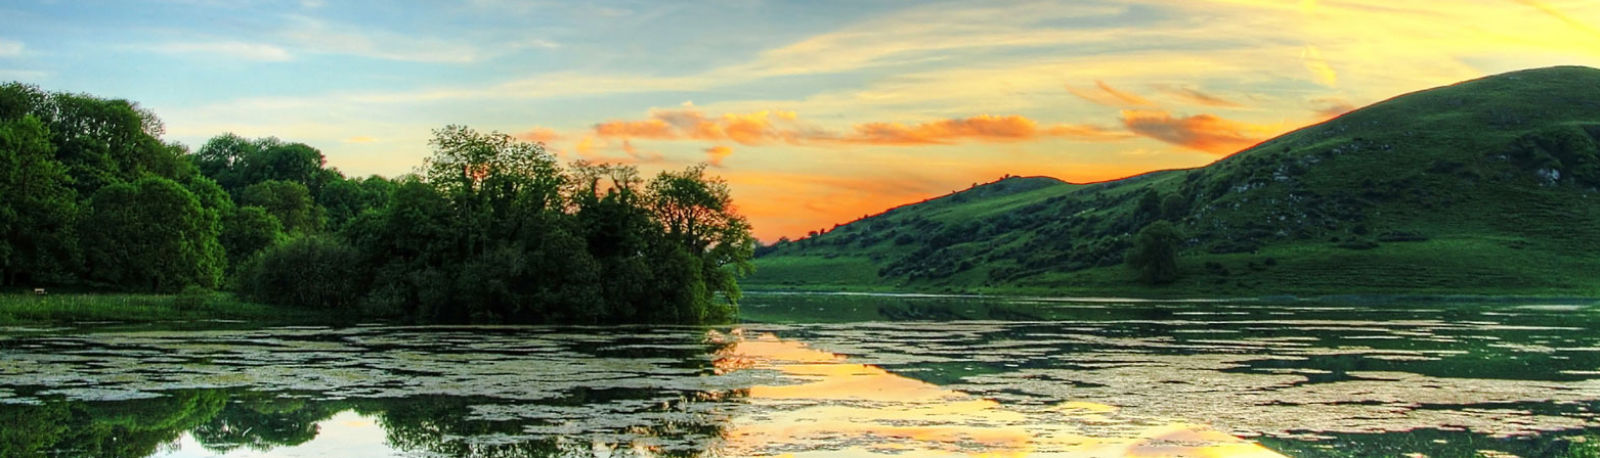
x: 1200, y: 98
x: 1126, y: 97
x: 1087, y: 132
x: 766, y: 127
x: 1202, y: 132
x: 749, y: 129
x: 540, y: 135
x: 649, y: 128
x: 642, y: 157
x: 981, y: 128
x: 716, y: 154
x: 1110, y: 96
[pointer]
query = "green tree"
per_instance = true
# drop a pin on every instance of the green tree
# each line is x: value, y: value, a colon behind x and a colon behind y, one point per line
x: 697, y: 213
x: 246, y: 231
x: 1154, y: 254
x: 236, y: 162
x: 37, y: 241
x: 288, y: 201
x: 309, y: 271
x: 345, y: 198
x: 151, y: 235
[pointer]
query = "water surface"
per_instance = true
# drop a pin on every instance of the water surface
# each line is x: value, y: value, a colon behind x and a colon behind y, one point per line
x: 829, y: 375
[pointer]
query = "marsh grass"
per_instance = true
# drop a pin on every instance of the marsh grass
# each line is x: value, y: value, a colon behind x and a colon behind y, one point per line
x: 22, y: 308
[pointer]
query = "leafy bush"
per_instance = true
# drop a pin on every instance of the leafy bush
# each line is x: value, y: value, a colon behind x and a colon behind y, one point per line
x: 308, y: 271
x: 1155, y: 253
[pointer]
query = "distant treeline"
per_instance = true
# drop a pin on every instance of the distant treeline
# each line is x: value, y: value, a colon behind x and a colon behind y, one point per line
x: 490, y: 228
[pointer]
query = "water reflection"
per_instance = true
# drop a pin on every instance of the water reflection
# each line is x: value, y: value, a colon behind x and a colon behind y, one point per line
x: 839, y: 406
x: 953, y: 377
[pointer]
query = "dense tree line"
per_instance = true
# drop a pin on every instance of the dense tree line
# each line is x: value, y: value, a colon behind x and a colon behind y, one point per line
x: 489, y: 229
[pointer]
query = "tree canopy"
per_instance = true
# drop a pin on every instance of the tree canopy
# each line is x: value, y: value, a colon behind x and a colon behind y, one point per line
x: 491, y: 228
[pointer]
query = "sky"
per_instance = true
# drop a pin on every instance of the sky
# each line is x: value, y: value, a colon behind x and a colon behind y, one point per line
x: 815, y: 112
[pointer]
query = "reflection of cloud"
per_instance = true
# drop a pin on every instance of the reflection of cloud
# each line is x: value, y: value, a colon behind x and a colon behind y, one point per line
x: 844, y: 407
x: 1202, y: 132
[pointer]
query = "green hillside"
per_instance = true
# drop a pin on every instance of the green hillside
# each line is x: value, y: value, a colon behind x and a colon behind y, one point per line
x: 1487, y: 186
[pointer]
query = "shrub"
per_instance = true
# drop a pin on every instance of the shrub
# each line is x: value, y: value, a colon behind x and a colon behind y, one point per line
x: 308, y: 271
x: 1155, y: 253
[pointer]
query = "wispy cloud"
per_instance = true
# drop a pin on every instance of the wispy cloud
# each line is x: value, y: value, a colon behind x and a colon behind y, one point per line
x: 541, y: 135
x: 1195, y: 97
x: 9, y: 48
x: 768, y: 127
x: 1329, y: 107
x: 1556, y: 13
x: 228, y: 50
x: 1110, y: 96
x: 1203, y: 132
x: 981, y: 128
x: 1318, y: 66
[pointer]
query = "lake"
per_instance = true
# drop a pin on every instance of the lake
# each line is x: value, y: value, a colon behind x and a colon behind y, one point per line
x: 831, y: 375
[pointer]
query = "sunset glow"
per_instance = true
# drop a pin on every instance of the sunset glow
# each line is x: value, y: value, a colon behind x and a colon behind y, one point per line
x: 815, y: 112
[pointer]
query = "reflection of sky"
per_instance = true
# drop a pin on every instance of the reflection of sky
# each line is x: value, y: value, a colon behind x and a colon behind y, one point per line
x: 346, y: 434
x: 838, y: 407
x: 813, y: 109
x: 1125, y: 379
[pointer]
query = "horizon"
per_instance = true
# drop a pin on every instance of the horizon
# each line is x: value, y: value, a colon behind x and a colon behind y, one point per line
x: 816, y: 113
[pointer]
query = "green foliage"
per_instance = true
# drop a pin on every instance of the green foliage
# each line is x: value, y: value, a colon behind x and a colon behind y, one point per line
x: 236, y: 163
x: 37, y: 241
x: 1502, y: 165
x: 308, y: 271
x: 288, y: 201
x: 344, y: 199
x: 1155, y: 253
x: 492, y: 230
x: 151, y: 235
x: 246, y: 231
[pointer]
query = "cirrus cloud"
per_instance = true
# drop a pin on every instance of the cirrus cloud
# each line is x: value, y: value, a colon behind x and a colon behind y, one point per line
x: 1203, y: 132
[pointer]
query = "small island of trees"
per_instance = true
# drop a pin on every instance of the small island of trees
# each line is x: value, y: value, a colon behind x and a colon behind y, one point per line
x: 490, y: 228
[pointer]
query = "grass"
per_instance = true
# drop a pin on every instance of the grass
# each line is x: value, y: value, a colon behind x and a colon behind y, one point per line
x: 27, y: 308
x: 1330, y: 205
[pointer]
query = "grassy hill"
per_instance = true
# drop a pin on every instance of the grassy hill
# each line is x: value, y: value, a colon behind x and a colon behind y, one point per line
x: 1489, y: 186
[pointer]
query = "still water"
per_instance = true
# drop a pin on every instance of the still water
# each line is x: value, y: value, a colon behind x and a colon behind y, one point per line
x: 831, y: 375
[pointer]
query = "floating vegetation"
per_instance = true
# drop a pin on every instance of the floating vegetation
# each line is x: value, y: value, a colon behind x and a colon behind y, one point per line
x: 1139, y: 379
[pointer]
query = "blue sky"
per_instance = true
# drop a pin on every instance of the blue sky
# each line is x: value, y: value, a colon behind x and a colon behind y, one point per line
x: 817, y: 112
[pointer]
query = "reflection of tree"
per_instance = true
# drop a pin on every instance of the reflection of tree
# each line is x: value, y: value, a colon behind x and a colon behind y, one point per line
x: 126, y: 428
x: 685, y: 426
x: 262, y: 422
x: 663, y: 422
x: 666, y: 419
